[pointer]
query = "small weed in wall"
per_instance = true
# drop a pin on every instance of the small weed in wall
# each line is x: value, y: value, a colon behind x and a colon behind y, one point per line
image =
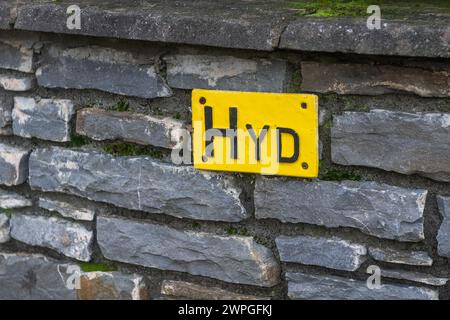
x: 122, y: 106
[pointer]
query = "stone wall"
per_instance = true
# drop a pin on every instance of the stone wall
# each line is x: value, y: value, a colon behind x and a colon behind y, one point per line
x: 88, y: 122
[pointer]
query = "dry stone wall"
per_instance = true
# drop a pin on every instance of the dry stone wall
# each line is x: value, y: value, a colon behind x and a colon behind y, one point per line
x: 88, y: 123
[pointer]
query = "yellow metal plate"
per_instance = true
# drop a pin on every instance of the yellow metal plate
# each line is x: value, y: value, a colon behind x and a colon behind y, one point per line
x: 266, y: 133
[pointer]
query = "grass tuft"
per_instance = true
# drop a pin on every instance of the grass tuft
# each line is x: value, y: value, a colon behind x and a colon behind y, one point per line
x: 122, y: 106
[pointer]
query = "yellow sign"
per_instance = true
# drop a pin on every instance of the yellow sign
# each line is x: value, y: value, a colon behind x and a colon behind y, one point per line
x: 266, y: 133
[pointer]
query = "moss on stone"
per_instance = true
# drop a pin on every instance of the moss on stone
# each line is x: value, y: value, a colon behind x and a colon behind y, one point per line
x: 122, y: 149
x: 340, y: 175
x: 358, y: 8
x: 93, y: 267
x: 195, y: 225
x: 328, y: 124
x: 296, y: 81
x: 232, y: 231
x: 77, y: 141
x: 6, y: 211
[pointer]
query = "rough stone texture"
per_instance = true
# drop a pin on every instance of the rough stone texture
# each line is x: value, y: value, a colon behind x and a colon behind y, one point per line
x: 4, y: 228
x: 7, y: 13
x: 98, y: 124
x: 12, y: 200
x: 190, y: 291
x: 407, y: 143
x: 366, y: 79
x: 45, y: 119
x: 16, y: 54
x: 36, y: 277
x: 138, y: 183
x: 103, y: 69
x: 377, y: 209
x: 33, y: 277
x: 252, y: 24
x: 6, y: 105
x: 415, y: 277
x: 68, y: 238
x: 13, y: 164
x: 413, y: 37
x: 16, y: 83
x: 68, y: 210
x: 111, y: 286
x: 303, y: 286
x: 414, y: 258
x: 231, y: 259
x: 443, y: 237
x: 227, y: 73
x: 255, y: 25
x: 331, y: 253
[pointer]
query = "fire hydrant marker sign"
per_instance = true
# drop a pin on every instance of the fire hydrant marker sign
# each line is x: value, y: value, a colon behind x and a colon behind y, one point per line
x: 254, y: 132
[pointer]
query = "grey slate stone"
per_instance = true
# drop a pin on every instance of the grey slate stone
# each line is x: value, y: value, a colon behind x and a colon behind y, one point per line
x: 255, y: 25
x: 103, y: 69
x: 13, y: 165
x: 252, y: 24
x: 69, y: 238
x: 377, y: 209
x: 12, y: 200
x: 303, y: 286
x: 4, y: 228
x: 231, y: 259
x: 191, y: 291
x: 36, y: 277
x: 45, y: 119
x: 6, y: 105
x: 138, y: 183
x: 443, y: 237
x: 100, y: 125
x: 190, y: 71
x: 404, y: 37
x: 414, y: 277
x: 413, y: 258
x: 16, y: 54
x: 366, y: 79
x: 331, y: 253
x: 7, y: 14
x: 32, y: 277
x: 17, y: 83
x: 407, y: 143
x: 67, y: 209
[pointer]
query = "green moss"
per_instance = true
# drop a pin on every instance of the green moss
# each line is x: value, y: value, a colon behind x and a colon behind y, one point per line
x: 232, y: 231
x: 122, y: 149
x: 328, y: 124
x: 358, y: 8
x: 340, y: 175
x: 92, y: 267
x: 195, y: 225
x: 178, y: 116
x: 7, y: 211
x: 122, y: 106
x: 296, y: 80
x: 77, y: 141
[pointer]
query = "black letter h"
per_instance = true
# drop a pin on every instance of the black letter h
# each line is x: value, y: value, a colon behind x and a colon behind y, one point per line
x: 229, y: 133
